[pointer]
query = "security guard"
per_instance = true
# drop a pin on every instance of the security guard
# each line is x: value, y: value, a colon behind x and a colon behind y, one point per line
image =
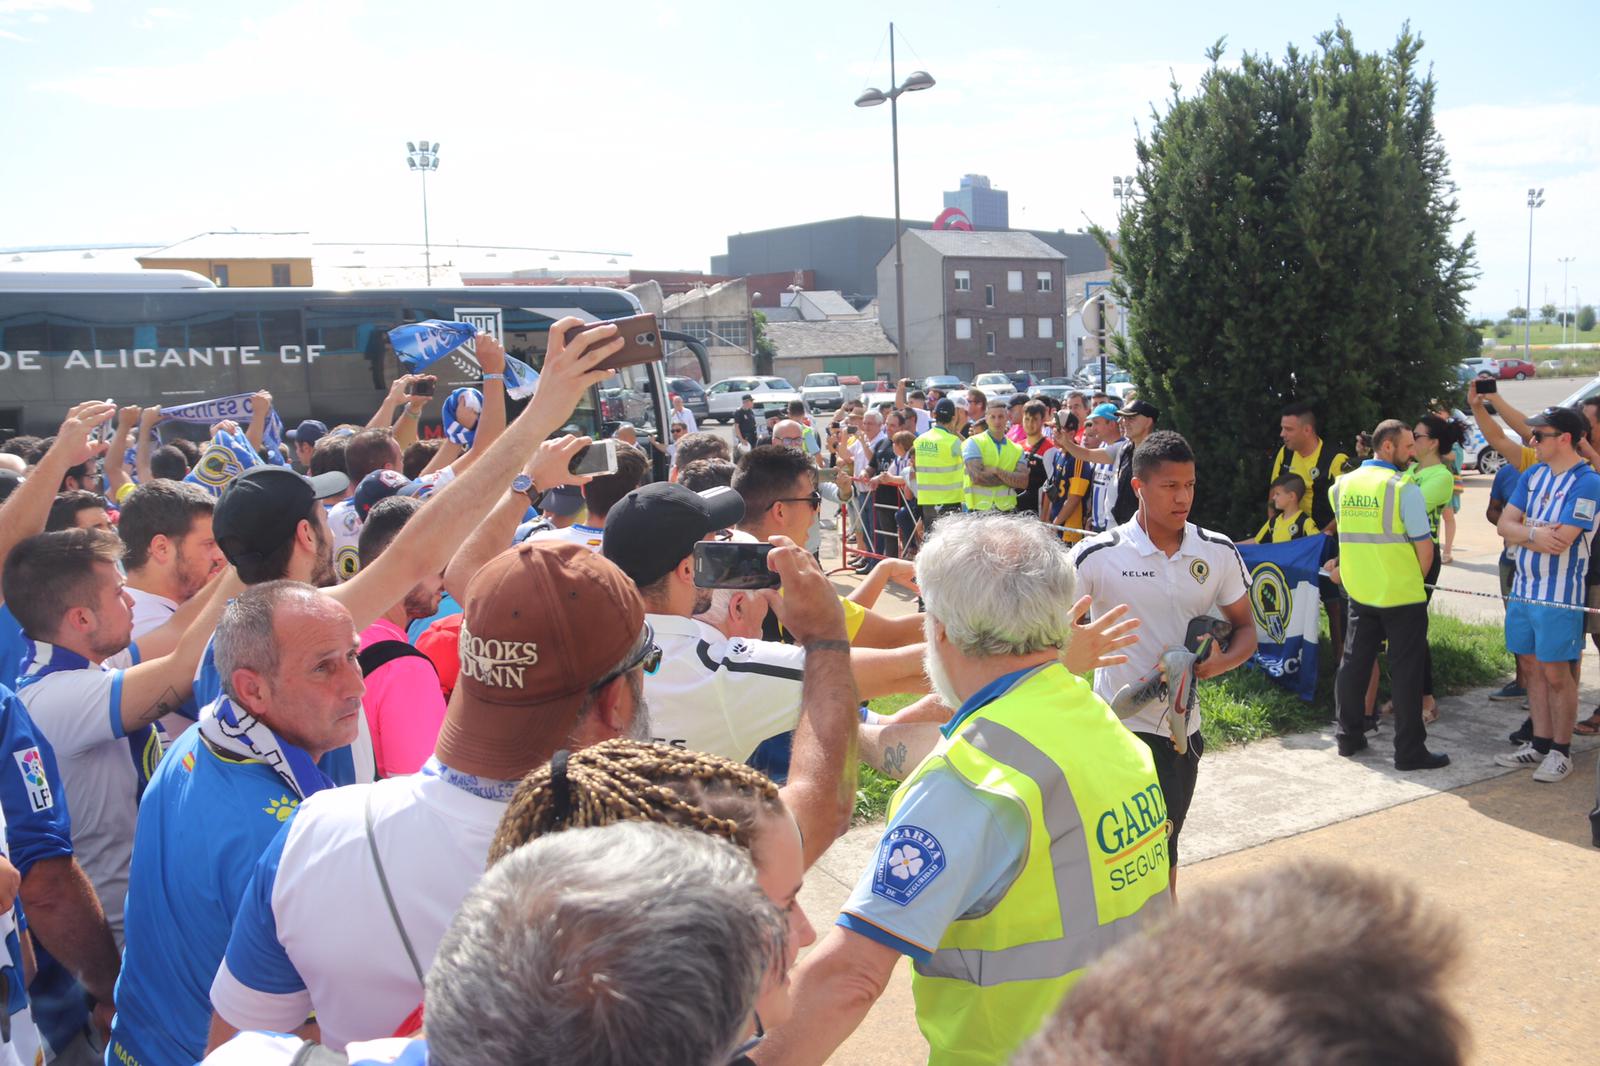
x: 1030, y: 840
x: 993, y: 467
x: 939, y: 467
x: 1384, y: 549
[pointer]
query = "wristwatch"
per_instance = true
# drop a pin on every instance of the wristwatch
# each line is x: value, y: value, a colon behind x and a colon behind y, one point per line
x: 524, y: 484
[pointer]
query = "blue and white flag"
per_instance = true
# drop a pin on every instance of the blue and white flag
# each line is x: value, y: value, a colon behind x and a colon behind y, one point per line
x: 226, y: 457
x: 421, y: 344
x: 1287, y: 606
x: 239, y: 408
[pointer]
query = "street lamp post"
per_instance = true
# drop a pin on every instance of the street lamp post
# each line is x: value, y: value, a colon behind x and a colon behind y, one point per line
x: 1568, y: 310
x: 916, y: 82
x: 1535, y: 199
x: 423, y: 156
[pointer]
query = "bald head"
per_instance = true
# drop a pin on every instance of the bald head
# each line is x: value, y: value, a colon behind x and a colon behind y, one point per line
x: 789, y: 434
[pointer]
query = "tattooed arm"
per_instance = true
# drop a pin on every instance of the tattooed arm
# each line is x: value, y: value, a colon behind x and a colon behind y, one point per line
x: 157, y: 686
x: 897, y: 748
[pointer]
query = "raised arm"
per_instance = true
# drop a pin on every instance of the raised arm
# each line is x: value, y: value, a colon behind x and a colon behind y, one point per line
x: 147, y: 437
x: 426, y: 544
x: 115, y: 465
x: 28, y: 508
x: 548, y: 469
x: 821, y: 788
x: 1493, y: 432
x: 447, y: 452
x: 383, y: 417
x: 260, y: 408
x: 1078, y: 451
x: 492, y: 419
x: 158, y: 686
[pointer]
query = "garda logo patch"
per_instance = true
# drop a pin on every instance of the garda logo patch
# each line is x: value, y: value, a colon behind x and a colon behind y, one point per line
x: 909, y: 859
x: 31, y: 765
x: 1583, y: 509
x: 347, y: 561
x: 1199, y: 570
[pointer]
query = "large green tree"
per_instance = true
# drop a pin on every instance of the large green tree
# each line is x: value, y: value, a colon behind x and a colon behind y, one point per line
x: 1290, y: 241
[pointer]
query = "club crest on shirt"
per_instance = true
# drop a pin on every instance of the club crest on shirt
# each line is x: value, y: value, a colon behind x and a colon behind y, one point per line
x: 1583, y: 509
x: 31, y: 765
x: 1199, y: 570
x: 908, y: 860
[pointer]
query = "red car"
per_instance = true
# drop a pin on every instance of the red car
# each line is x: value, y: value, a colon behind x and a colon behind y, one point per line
x: 1517, y: 369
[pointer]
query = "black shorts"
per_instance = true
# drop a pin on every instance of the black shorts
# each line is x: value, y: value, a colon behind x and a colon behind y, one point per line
x: 1176, y: 775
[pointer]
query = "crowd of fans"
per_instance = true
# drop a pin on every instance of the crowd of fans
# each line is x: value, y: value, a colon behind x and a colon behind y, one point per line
x: 401, y: 750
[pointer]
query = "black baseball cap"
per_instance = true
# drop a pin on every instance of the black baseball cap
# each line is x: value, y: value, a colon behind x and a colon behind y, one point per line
x: 260, y: 509
x: 655, y: 527
x: 1563, y: 420
x: 1140, y: 407
x: 944, y: 410
x: 562, y: 501
x: 308, y: 432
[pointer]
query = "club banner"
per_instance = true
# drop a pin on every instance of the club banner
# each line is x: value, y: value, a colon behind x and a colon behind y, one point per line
x: 1286, y: 603
x: 421, y: 344
x: 237, y: 408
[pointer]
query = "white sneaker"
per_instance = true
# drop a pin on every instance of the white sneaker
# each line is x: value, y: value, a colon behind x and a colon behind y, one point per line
x: 1555, y: 767
x: 1520, y: 759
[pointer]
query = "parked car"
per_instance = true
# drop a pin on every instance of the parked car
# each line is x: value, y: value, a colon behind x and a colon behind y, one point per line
x: 994, y: 385
x: 1022, y: 380
x: 1479, y: 456
x: 694, y: 396
x: 876, y: 397
x: 1481, y: 365
x: 770, y: 394
x: 1553, y: 364
x: 822, y: 392
x: 945, y: 383
x: 1516, y: 369
x: 1055, y: 388
x: 1088, y: 376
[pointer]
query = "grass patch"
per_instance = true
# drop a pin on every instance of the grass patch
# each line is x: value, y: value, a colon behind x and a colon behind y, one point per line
x: 1543, y: 333
x: 1244, y: 705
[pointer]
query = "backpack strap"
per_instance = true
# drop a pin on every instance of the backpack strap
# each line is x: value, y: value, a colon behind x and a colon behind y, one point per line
x: 380, y: 652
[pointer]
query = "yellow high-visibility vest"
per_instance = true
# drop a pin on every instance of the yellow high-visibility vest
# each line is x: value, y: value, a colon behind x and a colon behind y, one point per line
x: 940, y: 474
x: 1004, y: 456
x: 1377, y: 562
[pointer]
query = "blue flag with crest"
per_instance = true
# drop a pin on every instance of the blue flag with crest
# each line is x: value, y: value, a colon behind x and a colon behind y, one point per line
x: 1287, y: 608
x: 421, y: 344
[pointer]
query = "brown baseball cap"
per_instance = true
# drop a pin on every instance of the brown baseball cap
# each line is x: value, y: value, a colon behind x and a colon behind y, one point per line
x: 542, y: 623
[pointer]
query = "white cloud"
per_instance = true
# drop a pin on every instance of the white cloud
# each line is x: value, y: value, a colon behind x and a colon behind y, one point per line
x: 7, y: 35
x: 153, y: 17
x: 22, y: 7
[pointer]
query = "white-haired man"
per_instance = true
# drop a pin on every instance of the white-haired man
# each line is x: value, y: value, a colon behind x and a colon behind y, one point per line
x: 1030, y: 840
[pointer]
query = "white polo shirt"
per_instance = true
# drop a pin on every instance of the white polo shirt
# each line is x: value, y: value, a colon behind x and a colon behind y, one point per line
x: 150, y: 610
x: 1164, y: 593
x: 584, y: 536
x: 718, y: 695
x: 313, y: 931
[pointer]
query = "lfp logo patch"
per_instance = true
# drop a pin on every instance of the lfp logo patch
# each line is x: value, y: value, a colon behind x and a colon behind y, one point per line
x: 31, y: 764
x: 908, y: 860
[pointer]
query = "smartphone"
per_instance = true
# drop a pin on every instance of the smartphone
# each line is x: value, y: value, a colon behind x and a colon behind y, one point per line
x: 597, y: 459
x: 641, y: 337
x: 422, y: 386
x: 1486, y: 385
x: 722, y: 564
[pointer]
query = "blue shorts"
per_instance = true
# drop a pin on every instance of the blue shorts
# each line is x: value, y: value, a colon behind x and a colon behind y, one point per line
x: 1549, y: 634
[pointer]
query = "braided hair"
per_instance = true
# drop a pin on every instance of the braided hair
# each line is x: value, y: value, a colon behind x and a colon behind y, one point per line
x: 630, y: 780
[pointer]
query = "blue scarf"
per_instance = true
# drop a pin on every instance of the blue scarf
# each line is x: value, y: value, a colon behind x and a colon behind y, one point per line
x: 144, y: 744
x: 454, y: 431
x: 239, y: 408
x: 421, y: 344
x: 240, y: 733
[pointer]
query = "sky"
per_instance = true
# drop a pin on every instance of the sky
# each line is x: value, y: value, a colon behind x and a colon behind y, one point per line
x: 657, y: 129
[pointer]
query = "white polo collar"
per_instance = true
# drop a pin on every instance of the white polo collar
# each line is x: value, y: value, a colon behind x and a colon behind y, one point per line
x: 1140, y: 541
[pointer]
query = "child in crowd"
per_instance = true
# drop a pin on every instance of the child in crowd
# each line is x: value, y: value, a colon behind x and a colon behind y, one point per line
x: 1289, y: 522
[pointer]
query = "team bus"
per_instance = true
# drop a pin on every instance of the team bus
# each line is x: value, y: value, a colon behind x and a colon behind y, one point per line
x: 171, y: 337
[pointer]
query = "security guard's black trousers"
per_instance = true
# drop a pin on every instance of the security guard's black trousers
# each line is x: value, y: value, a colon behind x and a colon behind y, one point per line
x: 1406, y: 629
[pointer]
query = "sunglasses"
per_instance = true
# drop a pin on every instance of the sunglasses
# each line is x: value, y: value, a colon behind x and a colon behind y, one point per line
x: 815, y: 500
x: 1541, y: 434
x: 647, y: 655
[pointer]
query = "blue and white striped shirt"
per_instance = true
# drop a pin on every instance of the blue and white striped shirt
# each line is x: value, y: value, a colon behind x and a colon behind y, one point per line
x: 1546, y: 498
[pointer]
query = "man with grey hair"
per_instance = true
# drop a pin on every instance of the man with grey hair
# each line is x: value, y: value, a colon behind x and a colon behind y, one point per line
x: 291, y: 692
x: 554, y: 959
x: 1029, y: 841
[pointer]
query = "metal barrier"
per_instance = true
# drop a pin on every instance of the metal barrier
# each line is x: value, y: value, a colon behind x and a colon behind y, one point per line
x: 883, y: 533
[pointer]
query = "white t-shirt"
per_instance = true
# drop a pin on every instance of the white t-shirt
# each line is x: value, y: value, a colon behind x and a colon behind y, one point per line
x: 314, y: 919
x: 584, y: 536
x: 80, y: 714
x: 150, y: 610
x: 1104, y: 478
x: 279, y: 1049
x: 1122, y: 566
x: 924, y: 420
x: 346, y: 526
x: 718, y: 695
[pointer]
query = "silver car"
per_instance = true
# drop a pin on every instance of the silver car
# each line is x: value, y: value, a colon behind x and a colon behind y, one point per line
x: 770, y: 394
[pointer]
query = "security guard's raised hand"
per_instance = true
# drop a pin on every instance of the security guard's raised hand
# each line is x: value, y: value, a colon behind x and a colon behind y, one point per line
x: 808, y: 607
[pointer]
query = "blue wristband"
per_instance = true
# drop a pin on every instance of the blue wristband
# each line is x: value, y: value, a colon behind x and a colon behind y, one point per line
x: 494, y: 377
